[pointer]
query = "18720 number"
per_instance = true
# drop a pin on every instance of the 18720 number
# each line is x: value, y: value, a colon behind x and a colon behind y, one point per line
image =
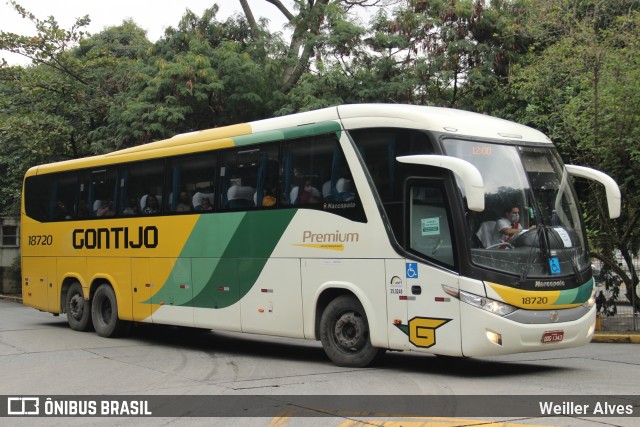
x: 40, y: 240
x: 535, y: 300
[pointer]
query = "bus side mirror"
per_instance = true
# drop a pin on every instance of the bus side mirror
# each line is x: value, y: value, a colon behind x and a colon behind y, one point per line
x: 614, y: 199
x: 468, y: 173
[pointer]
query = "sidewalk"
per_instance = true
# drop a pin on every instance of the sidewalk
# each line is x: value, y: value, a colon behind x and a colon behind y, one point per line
x: 598, y: 337
x: 14, y: 298
x: 616, y: 337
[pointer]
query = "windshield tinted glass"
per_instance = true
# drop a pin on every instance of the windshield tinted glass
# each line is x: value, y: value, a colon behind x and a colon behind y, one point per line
x: 531, y: 225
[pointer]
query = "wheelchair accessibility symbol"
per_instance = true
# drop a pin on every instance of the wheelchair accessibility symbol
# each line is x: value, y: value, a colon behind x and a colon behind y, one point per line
x: 412, y: 270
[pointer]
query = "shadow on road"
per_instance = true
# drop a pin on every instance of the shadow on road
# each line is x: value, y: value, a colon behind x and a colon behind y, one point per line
x: 270, y: 348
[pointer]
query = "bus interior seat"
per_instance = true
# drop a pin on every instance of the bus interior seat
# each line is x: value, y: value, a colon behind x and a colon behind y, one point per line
x: 240, y: 196
x: 486, y: 232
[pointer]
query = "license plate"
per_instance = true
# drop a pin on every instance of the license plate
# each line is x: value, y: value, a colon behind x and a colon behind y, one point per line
x: 552, y: 336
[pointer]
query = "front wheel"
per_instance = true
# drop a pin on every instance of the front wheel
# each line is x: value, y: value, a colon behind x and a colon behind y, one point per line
x: 104, y: 312
x: 344, y: 332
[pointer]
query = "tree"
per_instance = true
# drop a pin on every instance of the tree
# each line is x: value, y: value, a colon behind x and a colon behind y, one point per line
x: 51, y: 108
x: 581, y: 89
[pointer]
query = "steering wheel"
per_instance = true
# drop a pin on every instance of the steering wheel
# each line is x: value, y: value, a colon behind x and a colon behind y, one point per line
x: 497, y: 245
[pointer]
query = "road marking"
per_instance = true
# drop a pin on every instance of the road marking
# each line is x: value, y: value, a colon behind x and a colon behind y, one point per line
x: 283, y: 420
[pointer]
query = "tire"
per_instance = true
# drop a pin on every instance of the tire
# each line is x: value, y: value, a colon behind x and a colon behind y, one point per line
x: 78, y: 309
x: 344, y: 332
x: 104, y: 313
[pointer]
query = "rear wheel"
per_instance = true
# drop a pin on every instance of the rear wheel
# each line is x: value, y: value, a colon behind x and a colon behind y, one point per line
x: 77, y: 308
x: 344, y: 332
x: 104, y: 312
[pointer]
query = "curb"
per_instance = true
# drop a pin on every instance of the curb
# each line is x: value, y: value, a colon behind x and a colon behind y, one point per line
x: 616, y: 338
x: 12, y: 298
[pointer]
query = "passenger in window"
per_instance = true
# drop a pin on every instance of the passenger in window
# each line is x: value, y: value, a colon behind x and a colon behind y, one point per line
x: 205, y: 204
x: 132, y: 207
x: 184, y: 202
x: 83, y: 210
x: 309, y: 194
x: 106, y: 208
x: 60, y: 212
x: 269, y: 198
x: 152, y: 206
x: 198, y: 196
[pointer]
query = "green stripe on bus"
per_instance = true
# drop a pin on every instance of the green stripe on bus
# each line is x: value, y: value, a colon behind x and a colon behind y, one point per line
x: 243, y: 259
x: 288, y: 133
x: 223, y: 258
x: 576, y: 295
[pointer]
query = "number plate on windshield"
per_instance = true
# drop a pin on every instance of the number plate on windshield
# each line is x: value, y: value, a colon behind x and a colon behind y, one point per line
x: 552, y: 336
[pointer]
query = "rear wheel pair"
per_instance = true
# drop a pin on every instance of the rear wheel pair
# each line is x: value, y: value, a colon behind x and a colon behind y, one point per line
x: 101, y: 313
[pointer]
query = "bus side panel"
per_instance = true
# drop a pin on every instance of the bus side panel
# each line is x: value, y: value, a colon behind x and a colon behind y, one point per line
x: 38, y: 273
x: 397, y: 292
x: 365, y: 278
x: 273, y: 306
x: 216, y: 292
x: 116, y: 271
x: 434, y: 316
x: 141, y: 288
x: 172, y: 291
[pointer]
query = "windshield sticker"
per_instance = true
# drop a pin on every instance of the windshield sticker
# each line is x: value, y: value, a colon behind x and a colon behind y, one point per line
x: 430, y: 226
x: 554, y: 265
x: 564, y: 236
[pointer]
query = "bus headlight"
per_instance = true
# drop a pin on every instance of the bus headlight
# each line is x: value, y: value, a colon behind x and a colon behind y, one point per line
x: 492, y: 306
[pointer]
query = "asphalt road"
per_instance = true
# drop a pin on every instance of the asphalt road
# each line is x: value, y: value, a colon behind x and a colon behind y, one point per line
x: 40, y: 355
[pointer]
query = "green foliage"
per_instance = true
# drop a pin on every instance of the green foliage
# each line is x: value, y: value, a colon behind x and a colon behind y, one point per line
x: 582, y: 90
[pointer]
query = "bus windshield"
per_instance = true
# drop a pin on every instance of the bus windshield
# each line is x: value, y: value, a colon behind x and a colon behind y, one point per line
x: 531, y: 225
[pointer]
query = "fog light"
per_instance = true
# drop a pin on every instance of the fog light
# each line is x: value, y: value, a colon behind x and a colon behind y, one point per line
x: 494, y: 337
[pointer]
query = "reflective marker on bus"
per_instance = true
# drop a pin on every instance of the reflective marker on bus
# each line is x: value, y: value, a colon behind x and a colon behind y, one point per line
x: 368, y: 227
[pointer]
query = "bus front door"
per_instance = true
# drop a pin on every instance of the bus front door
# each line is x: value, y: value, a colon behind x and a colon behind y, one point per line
x: 433, y: 316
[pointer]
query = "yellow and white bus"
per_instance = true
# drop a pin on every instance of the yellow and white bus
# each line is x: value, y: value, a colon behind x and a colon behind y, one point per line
x: 368, y: 227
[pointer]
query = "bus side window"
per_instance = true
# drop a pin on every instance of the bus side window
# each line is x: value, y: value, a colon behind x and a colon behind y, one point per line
x: 141, y: 181
x: 37, y: 193
x: 249, y: 177
x: 102, y: 191
x: 429, y: 228
x: 190, y: 181
x: 64, y: 197
x: 307, y: 169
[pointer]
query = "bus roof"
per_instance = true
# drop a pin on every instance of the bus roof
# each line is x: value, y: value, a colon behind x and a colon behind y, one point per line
x: 352, y: 116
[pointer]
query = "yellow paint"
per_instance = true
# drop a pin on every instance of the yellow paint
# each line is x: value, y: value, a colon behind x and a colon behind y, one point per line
x: 283, y: 419
x: 327, y: 246
x: 538, y: 300
x: 433, y: 422
x: 422, y: 331
x: 210, y: 139
x: 112, y: 265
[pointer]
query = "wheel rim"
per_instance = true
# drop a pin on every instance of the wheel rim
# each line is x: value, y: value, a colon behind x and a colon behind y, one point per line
x: 105, y: 311
x: 349, y: 332
x: 76, y: 306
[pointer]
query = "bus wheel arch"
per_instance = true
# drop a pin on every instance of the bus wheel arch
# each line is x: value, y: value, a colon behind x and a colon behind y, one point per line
x: 104, y: 311
x: 344, y: 330
x: 76, y: 307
